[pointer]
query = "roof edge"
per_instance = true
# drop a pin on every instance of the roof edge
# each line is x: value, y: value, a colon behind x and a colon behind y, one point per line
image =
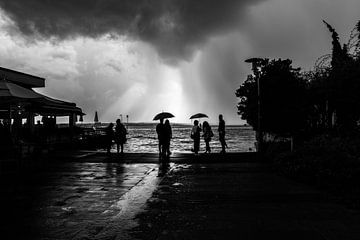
x: 21, y: 78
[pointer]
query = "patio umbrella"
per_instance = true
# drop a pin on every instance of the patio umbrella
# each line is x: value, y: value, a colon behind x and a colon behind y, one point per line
x: 163, y: 115
x: 12, y: 95
x: 12, y: 91
x: 199, y: 115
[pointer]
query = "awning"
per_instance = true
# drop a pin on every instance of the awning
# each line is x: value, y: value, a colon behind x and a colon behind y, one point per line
x: 20, y: 78
x: 10, y: 90
x: 13, y: 94
x: 51, y: 106
x: 47, y: 108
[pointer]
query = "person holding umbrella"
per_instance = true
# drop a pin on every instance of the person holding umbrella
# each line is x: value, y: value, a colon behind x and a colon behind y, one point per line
x: 167, y: 138
x: 160, y: 129
x: 195, y: 135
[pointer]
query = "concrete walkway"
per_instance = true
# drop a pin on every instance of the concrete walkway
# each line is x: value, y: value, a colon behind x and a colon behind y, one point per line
x: 241, y: 201
x: 132, y: 197
x: 74, y: 200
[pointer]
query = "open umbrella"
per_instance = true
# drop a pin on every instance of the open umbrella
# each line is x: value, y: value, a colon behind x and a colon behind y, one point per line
x: 199, y: 115
x: 163, y: 115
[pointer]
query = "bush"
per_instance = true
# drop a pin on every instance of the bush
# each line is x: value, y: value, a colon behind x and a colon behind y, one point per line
x: 330, y: 162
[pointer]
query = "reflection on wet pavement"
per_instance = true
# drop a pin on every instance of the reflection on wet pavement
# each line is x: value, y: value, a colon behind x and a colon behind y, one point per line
x: 77, y: 200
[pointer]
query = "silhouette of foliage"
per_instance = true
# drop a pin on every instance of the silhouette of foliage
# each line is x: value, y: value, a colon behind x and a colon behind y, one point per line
x: 247, y: 105
x: 354, y: 41
x: 326, y: 98
x: 282, y: 98
x: 328, y: 154
x: 317, y: 97
x: 337, y: 52
x: 342, y: 86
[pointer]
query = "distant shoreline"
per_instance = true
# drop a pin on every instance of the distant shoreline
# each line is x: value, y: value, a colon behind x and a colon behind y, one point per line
x: 151, y: 124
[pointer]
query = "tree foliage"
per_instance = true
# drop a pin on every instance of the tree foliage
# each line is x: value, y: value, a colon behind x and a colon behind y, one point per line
x: 342, y: 86
x: 326, y: 98
x: 282, y: 98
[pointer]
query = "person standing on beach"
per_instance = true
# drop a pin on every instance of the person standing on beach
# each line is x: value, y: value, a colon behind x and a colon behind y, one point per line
x: 208, y: 134
x: 109, y: 131
x: 195, y: 135
x: 221, y: 130
x: 167, y: 138
x: 120, y: 135
x: 160, y: 133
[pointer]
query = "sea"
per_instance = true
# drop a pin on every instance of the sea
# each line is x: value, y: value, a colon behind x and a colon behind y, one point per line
x: 142, y: 138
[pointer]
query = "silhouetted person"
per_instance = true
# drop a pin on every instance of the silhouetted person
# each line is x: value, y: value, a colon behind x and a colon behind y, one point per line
x: 109, y: 131
x: 167, y: 138
x: 195, y: 135
x: 207, y: 134
x: 120, y: 135
x: 221, y: 130
x: 160, y: 133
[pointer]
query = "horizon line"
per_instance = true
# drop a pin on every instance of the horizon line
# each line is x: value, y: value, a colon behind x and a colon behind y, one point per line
x: 154, y: 122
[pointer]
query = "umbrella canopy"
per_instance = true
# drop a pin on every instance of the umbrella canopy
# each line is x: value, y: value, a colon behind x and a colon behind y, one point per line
x: 13, y: 94
x: 199, y: 115
x: 11, y: 90
x: 163, y: 115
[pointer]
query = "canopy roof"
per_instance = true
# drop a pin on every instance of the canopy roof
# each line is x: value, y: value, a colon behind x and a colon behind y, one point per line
x: 50, y: 106
x: 12, y: 94
x: 13, y: 91
x: 22, y: 79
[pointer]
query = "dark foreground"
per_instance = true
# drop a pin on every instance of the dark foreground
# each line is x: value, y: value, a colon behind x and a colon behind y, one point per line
x: 132, y: 197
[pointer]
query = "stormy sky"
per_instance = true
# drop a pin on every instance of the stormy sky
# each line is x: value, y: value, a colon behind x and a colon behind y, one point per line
x: 141, y: 57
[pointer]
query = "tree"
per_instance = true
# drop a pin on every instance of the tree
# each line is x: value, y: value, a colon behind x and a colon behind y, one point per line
x: 338, y: 90
x: 283, y: 95
x: 247, y: 105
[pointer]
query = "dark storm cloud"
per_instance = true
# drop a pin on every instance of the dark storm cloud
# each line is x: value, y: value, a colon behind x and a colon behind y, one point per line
x: 174, y: 27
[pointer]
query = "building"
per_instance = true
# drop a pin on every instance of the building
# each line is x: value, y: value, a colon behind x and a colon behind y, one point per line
x: 20, y: 104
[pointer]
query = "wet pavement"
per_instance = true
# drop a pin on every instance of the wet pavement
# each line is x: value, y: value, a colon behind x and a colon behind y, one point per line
x: 241, y: 201
x: 75, y: 200
x: 133, y: 197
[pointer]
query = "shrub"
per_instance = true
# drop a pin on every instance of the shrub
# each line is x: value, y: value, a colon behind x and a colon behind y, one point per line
x: 331, y: 162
